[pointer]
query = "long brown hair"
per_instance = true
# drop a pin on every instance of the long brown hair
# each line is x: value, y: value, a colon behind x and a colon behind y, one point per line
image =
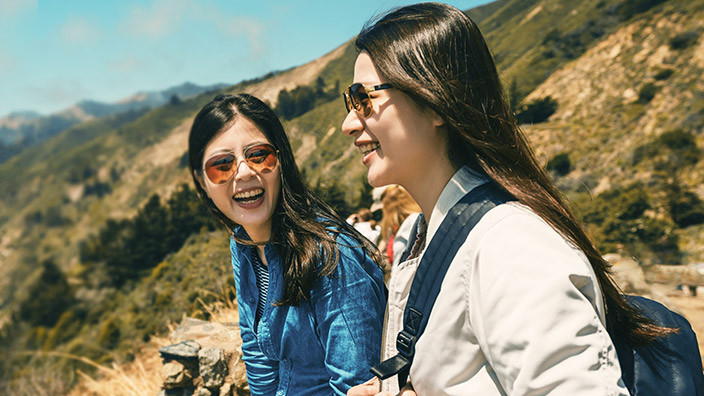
x: 398, y: 205
x: 436, y: 55
x: 305, y: 228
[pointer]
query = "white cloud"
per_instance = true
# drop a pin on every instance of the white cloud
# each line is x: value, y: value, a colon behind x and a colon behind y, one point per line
x: 127, y: 64
x: 158, y: 20
x: 164, y: 17
x: 7, y: 62
x: 79, y: 31
x: 251, y: 28
x: 57, y: 93
x: 14, y: 8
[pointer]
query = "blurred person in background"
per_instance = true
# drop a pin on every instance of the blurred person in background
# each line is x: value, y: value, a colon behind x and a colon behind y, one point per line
x: 400, y: 213
x: 363, y: 222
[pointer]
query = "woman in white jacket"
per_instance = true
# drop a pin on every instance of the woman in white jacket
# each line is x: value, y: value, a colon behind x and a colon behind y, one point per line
x: 522, y: 309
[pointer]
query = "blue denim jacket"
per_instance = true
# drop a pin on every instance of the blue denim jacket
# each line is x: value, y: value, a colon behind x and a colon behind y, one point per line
x: 323, y: 346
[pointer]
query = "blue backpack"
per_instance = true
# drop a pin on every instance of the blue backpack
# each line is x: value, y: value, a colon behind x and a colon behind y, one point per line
x: 668, y: 366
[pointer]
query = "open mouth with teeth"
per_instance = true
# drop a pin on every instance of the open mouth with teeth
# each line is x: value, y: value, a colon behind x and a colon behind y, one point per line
x: 368, y: 148
x: 248, y: 197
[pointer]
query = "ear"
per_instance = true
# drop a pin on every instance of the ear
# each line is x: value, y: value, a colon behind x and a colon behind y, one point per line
x: 197, y: 176
x: 436, y: 119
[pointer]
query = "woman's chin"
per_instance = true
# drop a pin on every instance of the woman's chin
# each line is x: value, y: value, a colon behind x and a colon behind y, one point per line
x: 376, y: 180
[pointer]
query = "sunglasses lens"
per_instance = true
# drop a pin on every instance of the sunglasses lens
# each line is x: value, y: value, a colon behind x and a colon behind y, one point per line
x: 220, y: 169
x: 358, y: 99
x: 261, y: 158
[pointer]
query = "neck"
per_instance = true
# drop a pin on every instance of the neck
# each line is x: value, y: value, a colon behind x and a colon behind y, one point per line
x: 259, y: 234
x: 426, y: 188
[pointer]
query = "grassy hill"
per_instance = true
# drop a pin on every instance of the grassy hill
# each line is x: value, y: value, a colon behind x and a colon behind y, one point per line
x: 623, y: 134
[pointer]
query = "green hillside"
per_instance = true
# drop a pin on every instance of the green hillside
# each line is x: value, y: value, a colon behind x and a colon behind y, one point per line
x: 102, y: 245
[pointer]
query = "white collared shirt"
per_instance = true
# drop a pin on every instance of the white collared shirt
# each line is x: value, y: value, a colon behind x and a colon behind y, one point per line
x: 519, y: 312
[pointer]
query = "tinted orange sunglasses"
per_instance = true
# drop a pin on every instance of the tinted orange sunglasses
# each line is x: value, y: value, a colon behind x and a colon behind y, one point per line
x: 261, y: 158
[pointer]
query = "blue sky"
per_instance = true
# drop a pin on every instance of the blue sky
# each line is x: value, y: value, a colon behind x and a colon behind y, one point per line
x: 54, y: 53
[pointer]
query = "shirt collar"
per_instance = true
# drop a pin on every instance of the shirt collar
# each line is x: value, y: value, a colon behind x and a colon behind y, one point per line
x: 462, y: 182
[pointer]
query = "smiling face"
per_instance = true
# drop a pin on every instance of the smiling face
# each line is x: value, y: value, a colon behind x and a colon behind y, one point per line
x: 400, y: 143
x: 249, y: 198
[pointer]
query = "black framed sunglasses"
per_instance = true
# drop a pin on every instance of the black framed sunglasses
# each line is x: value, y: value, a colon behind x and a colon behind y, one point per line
x: 261, y: 158
x: 357, y: 97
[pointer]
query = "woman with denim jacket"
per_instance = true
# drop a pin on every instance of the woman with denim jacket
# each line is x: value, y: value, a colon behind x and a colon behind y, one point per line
x: 522, y: 308
x: 310, y: 292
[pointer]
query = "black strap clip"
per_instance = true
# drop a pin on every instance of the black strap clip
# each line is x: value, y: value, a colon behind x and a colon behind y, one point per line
x: 406, y: 344
x: 391, y: 367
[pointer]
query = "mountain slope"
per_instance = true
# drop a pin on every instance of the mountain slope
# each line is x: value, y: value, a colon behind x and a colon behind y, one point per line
x: 623, y: 81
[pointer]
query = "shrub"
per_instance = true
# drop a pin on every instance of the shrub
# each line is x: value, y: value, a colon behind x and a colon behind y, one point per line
x: 536, y: 111
x: 97, y: 188
x: 684, y: 40
x: 53, y: 217
x: 644, y: 152
x: 65, y: 329
x: 683, y: 147
x: 560, y: 164
x: 629, y: 8
x: 663, y: 74
x: 35, y: 338
x: 291, y: 104
x: 685, y: 206
x: 619, y: 221
x: 129, y: 248
x: 109, y: 335
x: 647, y: 93
x: 48, y: 297
x: 678, y: 147
x: 677, y: 139
x: 85, y: 347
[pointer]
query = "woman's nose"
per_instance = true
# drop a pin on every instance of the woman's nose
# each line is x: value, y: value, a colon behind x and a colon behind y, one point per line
x: 243, y: 171
x: 351, y: 124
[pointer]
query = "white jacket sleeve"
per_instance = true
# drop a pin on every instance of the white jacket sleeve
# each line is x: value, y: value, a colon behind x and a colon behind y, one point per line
x: 534, y: 305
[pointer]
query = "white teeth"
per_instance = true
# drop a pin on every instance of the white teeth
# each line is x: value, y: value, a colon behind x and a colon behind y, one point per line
x: 368, y: 148
x: 248, y: 194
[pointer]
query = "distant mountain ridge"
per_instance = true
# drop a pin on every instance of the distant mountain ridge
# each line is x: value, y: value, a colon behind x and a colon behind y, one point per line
x: 20, y: 130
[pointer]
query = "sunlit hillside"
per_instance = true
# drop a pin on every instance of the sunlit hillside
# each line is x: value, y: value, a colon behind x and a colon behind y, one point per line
x: 103, y: 244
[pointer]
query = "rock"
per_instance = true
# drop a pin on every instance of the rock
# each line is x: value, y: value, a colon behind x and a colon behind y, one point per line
x: 176, y: 392
x: 238, y: 373
x: 183, y: 350
x: 209, y: 334
x: 226, y: 389
x: 210, y: 354
x: 176, y: 375
x: 212, y: 366
x: 628, y: 274
x: 203, y: 392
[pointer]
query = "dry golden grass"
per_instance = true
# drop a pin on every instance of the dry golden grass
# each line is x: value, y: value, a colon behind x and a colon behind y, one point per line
x: 142, y: 376
x: 137, y: 378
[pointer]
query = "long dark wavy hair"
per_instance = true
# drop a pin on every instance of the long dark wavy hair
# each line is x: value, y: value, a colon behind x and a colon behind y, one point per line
x: 304, y: 228
x: 436, y: 55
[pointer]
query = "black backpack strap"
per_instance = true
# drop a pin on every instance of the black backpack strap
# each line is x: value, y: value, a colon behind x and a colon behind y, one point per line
x: 431, y: 271
x: 668, y: 365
